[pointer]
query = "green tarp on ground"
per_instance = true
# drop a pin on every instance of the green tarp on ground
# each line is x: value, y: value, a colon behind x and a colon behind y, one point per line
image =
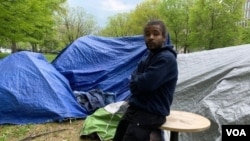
x: 104, y: 121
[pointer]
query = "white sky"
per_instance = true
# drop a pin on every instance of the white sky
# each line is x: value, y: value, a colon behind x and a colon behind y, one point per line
x: 102, y: 9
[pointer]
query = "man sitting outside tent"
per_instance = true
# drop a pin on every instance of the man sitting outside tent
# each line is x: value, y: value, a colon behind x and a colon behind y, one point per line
x: 152, y: 87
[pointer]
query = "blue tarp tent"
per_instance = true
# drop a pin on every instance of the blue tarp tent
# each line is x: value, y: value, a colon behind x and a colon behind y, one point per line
x: 93, y: 62
x: 33, y: 91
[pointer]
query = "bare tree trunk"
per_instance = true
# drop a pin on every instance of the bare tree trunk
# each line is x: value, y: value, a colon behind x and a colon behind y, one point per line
x: 13, y: 47
x: 34, y: 47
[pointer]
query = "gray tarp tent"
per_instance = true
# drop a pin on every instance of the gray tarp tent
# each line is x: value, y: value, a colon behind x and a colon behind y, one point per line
x: 215, y: 84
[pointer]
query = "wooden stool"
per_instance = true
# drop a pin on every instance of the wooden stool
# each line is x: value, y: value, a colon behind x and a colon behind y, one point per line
x: 180, y: 121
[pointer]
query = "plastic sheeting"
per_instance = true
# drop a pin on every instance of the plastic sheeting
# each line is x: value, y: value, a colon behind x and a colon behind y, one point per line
x: 33, y: 91
x: 103, y: 121
x: 215, y: 84
x: 93, y: 62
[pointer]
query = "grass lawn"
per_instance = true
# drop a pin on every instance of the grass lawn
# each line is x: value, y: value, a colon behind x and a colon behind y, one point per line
x: 66, y: 131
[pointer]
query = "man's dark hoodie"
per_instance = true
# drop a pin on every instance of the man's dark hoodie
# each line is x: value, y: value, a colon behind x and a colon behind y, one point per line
x: 153, y: 82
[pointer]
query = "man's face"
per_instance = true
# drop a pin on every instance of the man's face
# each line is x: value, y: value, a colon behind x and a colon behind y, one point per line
x: 153, y: 37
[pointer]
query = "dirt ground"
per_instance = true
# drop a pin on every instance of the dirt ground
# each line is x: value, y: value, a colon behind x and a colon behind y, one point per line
x: 64, y: 131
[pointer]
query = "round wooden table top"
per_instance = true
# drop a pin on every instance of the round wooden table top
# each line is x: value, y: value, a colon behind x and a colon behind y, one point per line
x: 180, y: 121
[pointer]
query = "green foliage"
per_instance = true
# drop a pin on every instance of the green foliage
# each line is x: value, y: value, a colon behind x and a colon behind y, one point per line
x: 145, y: 11
x: 74, y: 24
x: 27, y: 20
x: 246, y: 35
x: 214, y: 23
x: 117, y: 26
x: 176, y: 15
x: 193, y: 24
x: 50, y: 57
x: 2, y: 55
x: 126, y: 24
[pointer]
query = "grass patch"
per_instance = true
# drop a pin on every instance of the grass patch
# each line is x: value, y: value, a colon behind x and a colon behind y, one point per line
x: 63, y: 131
x: 8, y: 132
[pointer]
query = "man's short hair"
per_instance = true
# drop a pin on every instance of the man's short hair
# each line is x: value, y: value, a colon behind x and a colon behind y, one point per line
x: 157, y: 22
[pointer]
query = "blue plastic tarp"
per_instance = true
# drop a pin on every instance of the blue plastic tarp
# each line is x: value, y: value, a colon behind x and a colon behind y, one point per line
x: 33, y: 91
x: 93, y: 62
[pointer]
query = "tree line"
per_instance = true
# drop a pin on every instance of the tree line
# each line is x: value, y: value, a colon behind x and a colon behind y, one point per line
x: 47, y: 25
x: 193, y: 24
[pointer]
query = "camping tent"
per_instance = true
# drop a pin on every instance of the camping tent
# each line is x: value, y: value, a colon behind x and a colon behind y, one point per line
x: 33, y: 91
x: 104, y: 63
x: 215, y: 84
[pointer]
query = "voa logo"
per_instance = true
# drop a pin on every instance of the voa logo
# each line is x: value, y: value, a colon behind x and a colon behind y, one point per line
x: 236, y: 132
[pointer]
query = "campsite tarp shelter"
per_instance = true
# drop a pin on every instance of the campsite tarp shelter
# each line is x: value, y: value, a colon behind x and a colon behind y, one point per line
x: 33, y: 91
x: 215, y: 83
x: 105, y: 63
